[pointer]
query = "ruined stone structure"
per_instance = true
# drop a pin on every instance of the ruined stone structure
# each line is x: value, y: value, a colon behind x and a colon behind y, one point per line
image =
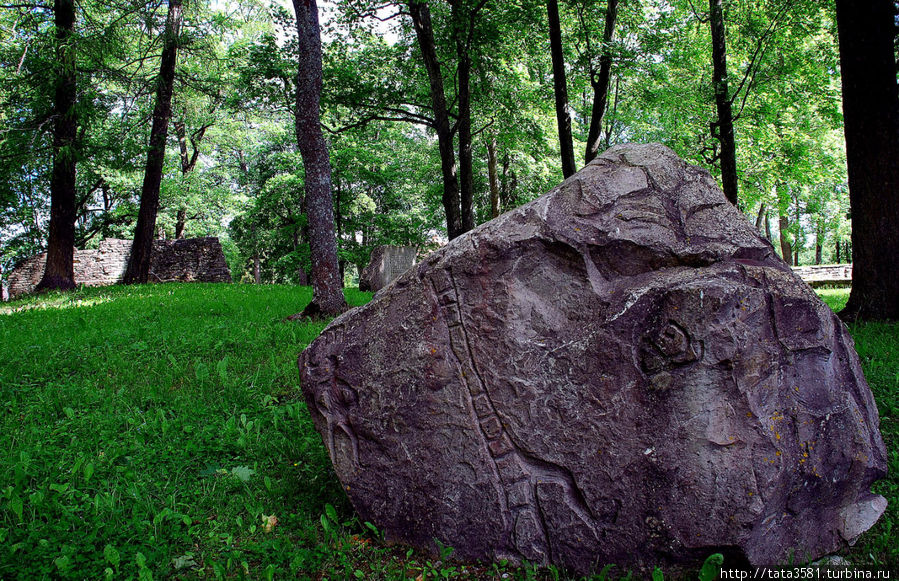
x: 187, y: 260
x: 387, y: 264
x: 622, y: 371
x: 839, y: 275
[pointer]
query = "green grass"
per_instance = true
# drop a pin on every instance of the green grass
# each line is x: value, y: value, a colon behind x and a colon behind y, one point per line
x: 877, y: 345
x: 153, y: 431
x: 153, y: 428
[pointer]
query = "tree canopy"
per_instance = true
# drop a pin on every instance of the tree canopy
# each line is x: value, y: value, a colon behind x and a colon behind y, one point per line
x: 437, y: 116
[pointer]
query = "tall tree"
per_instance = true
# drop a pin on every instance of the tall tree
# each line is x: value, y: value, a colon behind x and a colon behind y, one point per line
x: 560, y: 89
x: 492, y: 177
x: 139, y: 263
x: 464, y: 18
x: 723, y: 127
x: 327, y: 286
x: 188, y: 163
x: 599, y: 81
x: 59, y: 269
x: 424, y: 32
x: 871, y: 116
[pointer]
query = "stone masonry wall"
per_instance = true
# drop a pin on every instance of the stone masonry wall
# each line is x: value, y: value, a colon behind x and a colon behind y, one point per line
x: 825, y: 275
x: 387, y: 263
x: 188, y: 260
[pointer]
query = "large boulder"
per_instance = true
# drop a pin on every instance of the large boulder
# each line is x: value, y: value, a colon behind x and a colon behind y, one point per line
x: 621, y: 371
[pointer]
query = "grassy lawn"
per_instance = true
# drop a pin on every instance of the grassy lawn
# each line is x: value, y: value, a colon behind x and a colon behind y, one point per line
x: 158, y: 432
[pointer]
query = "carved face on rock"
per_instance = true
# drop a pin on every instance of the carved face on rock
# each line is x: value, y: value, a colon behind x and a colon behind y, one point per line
x: 334, y: 400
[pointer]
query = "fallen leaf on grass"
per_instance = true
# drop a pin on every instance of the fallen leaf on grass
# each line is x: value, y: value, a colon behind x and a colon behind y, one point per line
x: 269, y: 522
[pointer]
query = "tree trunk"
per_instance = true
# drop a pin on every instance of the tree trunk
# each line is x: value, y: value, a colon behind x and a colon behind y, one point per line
x: 188, y: 162
x: 786, y: 249
x: 424, y: 31
x: 560, y: 88
x: 338, y: 224
x: 491, y: 176
x: 760, y: 218
x: 600, y: 84
x: 871, y: 116
x: 257, y: 276
x: 611, y: 118
x: 327, y: 288
x: 59, y: 270
x: 139, y: 263
x: 768, y: 227
x: 839, y: 258
x: 180, y: 223
x: 466, y: 164
x: 723, y: 128
x: 820, y: 233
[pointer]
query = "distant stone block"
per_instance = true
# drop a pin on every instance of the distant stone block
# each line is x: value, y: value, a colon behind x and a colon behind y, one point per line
x: 387, y: 264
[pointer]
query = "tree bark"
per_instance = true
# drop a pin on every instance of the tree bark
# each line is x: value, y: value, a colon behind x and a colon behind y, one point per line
x: 188, y: 162
x: 839, y: 258
x: 723, y: 128
x: 492, y: 177
x: 180, y: 223
x: 139, y: 263
x: 462, y: 23
x: 560, y: 89
x: 871, y: 117
x: 820, y: 233
x: 786, y: 249
x: 768, y: 227
x: 257, y: 275
x: 327, y: 288
x: 600, y: 84
x: 424, y: 32
x: 760, y: 218
x: 59, y: 270
x: 610, y: 121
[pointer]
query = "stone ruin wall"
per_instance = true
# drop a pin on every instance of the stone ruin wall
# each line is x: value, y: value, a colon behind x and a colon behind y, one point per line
x: 387, y: 263
x: 839, y: 275
x: 187, y: 260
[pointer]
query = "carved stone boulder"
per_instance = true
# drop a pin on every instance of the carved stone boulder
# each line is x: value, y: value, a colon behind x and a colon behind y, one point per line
x: 621, y: 371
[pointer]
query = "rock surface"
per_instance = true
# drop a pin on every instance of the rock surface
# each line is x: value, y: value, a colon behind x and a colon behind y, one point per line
x: 386, y: 264
x: 621, y: 371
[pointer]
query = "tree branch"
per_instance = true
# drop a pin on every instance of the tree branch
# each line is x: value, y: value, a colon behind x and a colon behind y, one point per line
x: 756, y: 55
x: 484, y: 128
x: 702, y: 19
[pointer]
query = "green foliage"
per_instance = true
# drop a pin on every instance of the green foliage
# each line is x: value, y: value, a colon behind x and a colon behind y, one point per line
x: 711, y: 568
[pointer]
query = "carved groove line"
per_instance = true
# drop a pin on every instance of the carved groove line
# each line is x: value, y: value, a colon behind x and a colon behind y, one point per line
x: 519, y: 474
